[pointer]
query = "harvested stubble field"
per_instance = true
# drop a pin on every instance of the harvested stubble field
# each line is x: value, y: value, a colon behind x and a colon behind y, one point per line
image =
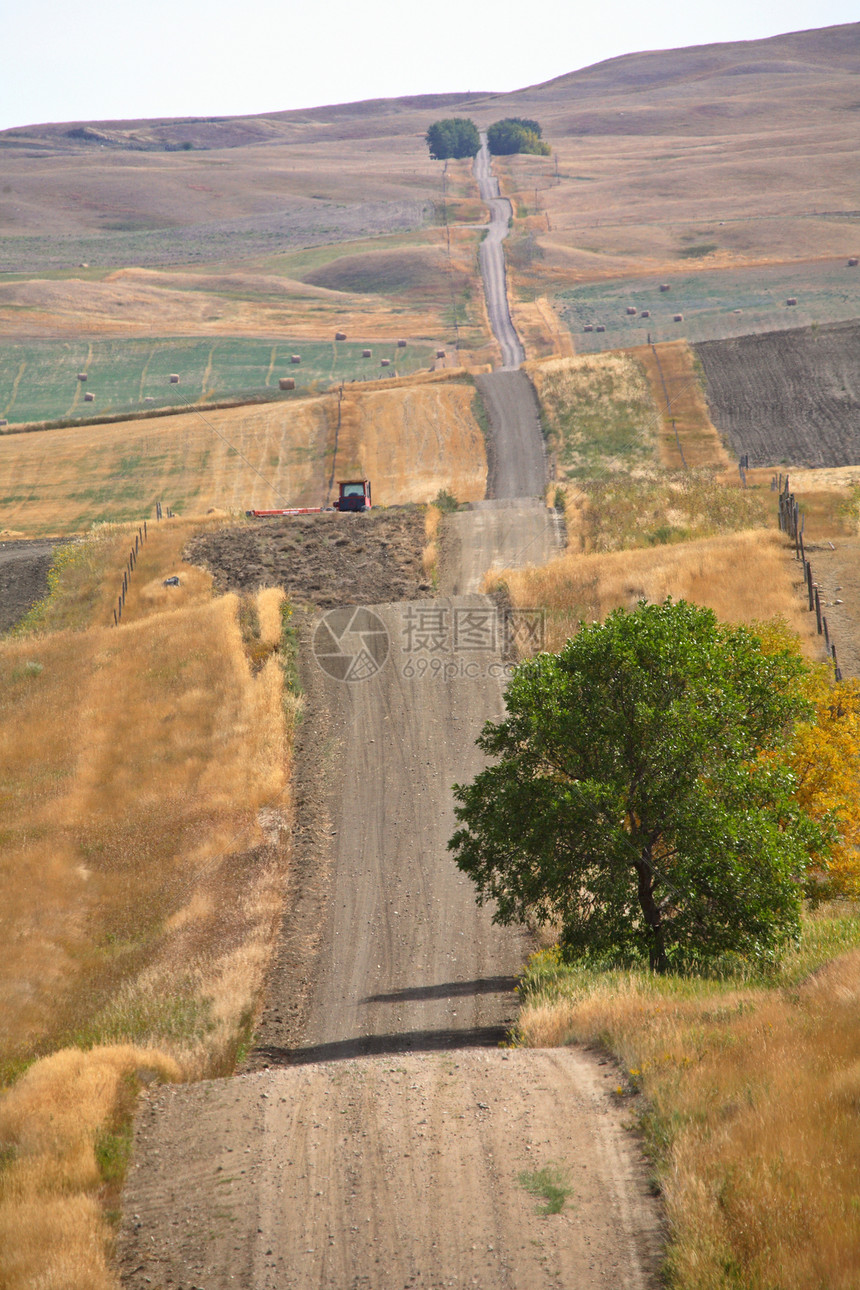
x: 716, y: 303
x: 410, y: 438
x: 788, y: 397
x: 38, y: 379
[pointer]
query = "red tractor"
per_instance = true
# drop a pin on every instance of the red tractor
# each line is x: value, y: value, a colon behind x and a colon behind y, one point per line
x: 354, y: 496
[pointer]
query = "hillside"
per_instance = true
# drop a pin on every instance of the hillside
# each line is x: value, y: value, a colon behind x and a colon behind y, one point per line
x: 746, y: 150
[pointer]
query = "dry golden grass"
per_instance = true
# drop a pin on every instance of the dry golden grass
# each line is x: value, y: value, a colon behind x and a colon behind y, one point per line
x: 752, y: 1096
x: 411, y: 437
x: 145, y: 796
x: 62, y: 1142
x: 827, y: 497
x: 413, y: 441
x: 683, y: 402
x: 743, y: 577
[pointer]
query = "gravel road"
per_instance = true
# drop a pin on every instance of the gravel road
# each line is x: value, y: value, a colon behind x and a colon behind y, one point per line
x: 379, y: 1135
x: 493, y: 261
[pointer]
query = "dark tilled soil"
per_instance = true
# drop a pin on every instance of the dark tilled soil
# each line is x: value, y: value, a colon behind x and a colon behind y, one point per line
x: 23, y: 578
x: 324, y: 560
x: 788, y: 396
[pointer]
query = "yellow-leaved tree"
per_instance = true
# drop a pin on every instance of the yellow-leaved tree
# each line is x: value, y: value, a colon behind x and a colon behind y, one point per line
x: 825, y: 758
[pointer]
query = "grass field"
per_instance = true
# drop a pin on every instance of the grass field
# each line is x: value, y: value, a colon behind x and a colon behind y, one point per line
x: 709, y: 300
x: 410, y: 438
x: 145, y: 790
x: 745, y: 577
x: 38, y: 379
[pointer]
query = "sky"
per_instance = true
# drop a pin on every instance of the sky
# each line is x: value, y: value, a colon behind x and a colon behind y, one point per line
x: 117, y: 60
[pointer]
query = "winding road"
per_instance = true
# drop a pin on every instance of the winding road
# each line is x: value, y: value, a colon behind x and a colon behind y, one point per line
x: 493, y: 261
x: 379, y: 1136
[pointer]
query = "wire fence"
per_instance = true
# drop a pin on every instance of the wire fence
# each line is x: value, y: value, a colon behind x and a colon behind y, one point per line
x: 791, y: 522
x: 131, y: 561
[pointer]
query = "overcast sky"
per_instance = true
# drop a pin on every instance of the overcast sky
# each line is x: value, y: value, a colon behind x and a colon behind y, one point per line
x: 114, y: 59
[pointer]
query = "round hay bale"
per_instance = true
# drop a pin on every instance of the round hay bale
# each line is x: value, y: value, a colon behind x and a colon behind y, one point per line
x: 149, y: 399
x: 792, y: 300
x: 631, y: 311
x: 89, y: 397
x: 852, y: 263
x: 678, y: 317
x: 646, y: 313
x: 385, y: 362
x: 600, y: 327
x: 440, y: 353
x: 401, y: 344
x: 340, y: 335
x: 3, y: 421
x: 82, y: 376
x: 286, y: 383
x: 295, y: 358
x: 738, y: 311
x: 174, y: 378
x: 367, y: 353
x: 664, y: 286
x: 588, y: 327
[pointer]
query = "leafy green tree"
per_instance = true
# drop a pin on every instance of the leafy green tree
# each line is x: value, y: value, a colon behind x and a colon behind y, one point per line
x: 638, y: 799
x: 516, y: 134
x: 456, y: 136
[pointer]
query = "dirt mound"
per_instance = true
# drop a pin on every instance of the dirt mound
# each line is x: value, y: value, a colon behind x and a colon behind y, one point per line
x: 324, y: 560
x: 23, y: 578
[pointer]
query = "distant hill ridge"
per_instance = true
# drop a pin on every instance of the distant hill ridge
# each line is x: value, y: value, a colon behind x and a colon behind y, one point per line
x: 810, y: 52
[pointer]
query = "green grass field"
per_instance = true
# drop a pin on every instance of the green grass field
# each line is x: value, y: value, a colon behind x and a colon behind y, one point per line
x: 716, y: 304
x: 38, y: 379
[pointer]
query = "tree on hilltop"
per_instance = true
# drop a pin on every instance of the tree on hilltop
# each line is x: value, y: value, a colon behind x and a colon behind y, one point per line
x: 454, y: 137
x: 516, y: 134
x: 640, y: 798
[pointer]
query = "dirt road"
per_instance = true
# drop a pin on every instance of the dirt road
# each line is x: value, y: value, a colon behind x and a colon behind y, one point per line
x: 496, y: 535
x: 379, y: 1136
x: 493, y: 261
x: 24, y: 569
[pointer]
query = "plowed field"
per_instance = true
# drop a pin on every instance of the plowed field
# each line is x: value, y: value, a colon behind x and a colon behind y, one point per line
x: 788, y: 397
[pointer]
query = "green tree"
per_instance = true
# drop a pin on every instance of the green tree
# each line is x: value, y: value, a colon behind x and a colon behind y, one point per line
x: 638, y: 800
x: 516, y: 134
x: 456, y: 136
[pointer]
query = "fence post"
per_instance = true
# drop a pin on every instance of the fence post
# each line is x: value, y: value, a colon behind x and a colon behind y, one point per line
x: 114, y: 618
x: 818, y: 609
x: 826, y: 632
x: 809, y: 586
